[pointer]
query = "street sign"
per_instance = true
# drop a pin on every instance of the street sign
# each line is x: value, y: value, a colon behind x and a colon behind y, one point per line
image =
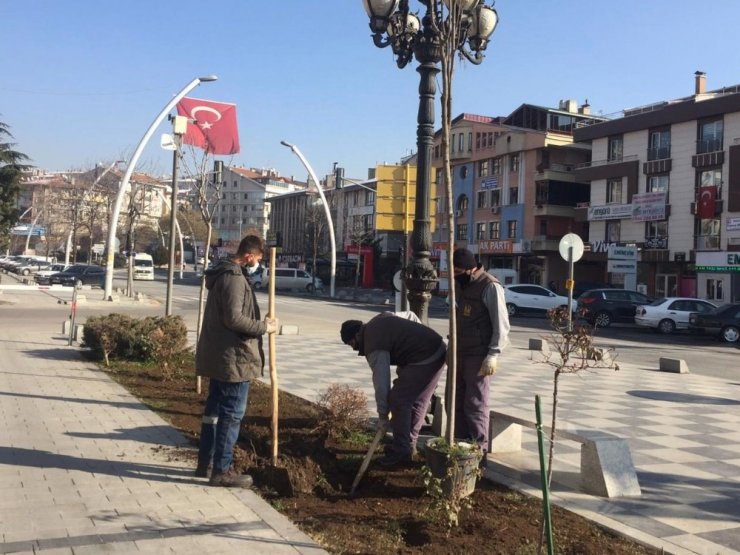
x: 571, y: 240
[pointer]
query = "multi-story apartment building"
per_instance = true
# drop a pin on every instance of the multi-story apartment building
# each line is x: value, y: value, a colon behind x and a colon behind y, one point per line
x: 243, y: 206
x: 665, y: 180
x: 514, y: 187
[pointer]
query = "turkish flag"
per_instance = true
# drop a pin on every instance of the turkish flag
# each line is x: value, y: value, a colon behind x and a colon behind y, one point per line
x: 211, y: 125
x: 707, y: 195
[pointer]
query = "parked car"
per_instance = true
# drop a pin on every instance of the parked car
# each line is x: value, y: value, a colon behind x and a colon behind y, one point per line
x: 669, y: 314
x: 723, y: 321
x: 292, y: 278
x: 79, y: 274
x: 42, y: 277
x: 603, y: 307
x: 27, y: 267
x: 532, y: 298
x: 580, y: 287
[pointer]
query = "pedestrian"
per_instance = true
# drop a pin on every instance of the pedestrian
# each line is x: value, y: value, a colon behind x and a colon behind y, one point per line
x: 552, y: 287
x: 230, y: 354
x: 482, y: 333
x: 419, y: 354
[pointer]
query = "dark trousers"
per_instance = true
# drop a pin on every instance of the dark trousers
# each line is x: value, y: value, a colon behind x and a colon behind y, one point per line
x: 471, y: 400
x: 409, y: 400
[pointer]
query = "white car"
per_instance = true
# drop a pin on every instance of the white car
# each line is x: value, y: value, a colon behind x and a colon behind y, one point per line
x: 533, y: 298
x: 669, y: 314
x: 43, y: 277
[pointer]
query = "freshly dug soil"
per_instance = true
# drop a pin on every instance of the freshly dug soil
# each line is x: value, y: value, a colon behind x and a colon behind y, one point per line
x: 390, y: 512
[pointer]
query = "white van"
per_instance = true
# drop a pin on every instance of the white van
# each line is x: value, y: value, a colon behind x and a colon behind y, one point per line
x: 292, y: 278
x: 143, y: 266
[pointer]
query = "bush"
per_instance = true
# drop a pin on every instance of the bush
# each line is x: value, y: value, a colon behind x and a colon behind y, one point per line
x: 118, y: 336
x: 347, y: 409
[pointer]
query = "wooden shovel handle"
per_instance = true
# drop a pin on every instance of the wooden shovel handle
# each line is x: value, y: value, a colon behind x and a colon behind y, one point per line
x: 273, y: 361
x: 370, y: 452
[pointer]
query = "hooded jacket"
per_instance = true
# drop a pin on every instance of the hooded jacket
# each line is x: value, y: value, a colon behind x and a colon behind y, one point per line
x: 230, y: 342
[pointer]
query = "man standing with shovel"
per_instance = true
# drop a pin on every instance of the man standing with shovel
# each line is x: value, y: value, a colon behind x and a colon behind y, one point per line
x: 230, y: 354
x: 419, y: 353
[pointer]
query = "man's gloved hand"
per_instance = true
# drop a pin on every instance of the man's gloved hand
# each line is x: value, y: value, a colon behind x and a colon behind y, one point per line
x: 488, y: 368
x: 272, y: 325
x: 382, y: 422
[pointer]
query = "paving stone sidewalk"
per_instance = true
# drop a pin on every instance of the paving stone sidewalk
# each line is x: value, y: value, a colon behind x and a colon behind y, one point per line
x: 86, y: 468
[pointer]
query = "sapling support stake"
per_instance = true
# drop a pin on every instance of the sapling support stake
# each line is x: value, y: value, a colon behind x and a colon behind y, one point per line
x: 543, y: 474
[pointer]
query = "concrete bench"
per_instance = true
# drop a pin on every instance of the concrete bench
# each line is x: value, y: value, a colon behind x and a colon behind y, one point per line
x: 606, y: 462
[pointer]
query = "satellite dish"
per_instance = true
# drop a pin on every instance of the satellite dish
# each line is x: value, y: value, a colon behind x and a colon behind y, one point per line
x: 167, y: 142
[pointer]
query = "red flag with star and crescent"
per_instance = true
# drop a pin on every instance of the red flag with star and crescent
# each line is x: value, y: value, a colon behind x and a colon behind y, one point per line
x: 211, y: 125
x: 707, y: 196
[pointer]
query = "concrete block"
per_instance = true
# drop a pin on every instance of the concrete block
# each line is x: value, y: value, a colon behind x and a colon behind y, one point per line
x: 538, y: 345
x: 114, y: 298
x: 79, y: 329
x: 81, y: 299
x: 288, y: 329
x: 140, y: 297
x: 504, y: 436
x: 65, y: 327
x: 607, y: 469
x: 675, y: 365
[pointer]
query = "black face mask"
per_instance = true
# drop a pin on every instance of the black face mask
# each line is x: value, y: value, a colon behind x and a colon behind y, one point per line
x: 462, y: 280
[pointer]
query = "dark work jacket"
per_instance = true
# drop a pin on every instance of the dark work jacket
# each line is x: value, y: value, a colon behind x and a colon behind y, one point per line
x: 230, y: 341
x: 474, y: 327
x: 407, y: 342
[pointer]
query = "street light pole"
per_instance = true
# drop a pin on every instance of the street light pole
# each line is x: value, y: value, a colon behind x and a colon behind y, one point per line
x: 179, y: 126
x: 111, y: 244
x: 394, y: 25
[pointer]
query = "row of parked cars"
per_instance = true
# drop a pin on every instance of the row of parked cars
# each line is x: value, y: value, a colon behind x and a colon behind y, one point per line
x: 48, y: 273
x: 605, y: 306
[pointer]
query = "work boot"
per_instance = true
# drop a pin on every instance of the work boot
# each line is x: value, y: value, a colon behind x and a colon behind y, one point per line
x: 202, y: 470
x: 394, y: 458
x: 231, y: 479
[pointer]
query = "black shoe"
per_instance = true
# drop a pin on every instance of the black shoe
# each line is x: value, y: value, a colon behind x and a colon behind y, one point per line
x: 483, y: 464
x: 231, y: 480
x: 394, y: 458
x: 202, y: 471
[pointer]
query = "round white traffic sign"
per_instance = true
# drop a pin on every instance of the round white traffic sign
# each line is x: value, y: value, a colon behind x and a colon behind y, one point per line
x: 397, y: 281
x: 571, y: 240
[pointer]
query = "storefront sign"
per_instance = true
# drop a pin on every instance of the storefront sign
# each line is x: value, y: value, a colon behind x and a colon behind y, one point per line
x: 490, y: 183
x: 494, y: 247
x: 656, y: 242
x: 733, y: 224
x: 648, y: 207
x: 622, y: 253
x: 609, y: 212
x: 601, y: 246
x: 622, y: 266
x: 718, y: 262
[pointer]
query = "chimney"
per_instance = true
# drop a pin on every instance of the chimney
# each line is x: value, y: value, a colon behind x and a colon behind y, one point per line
x: 701, y: 82
x: 585, y: 109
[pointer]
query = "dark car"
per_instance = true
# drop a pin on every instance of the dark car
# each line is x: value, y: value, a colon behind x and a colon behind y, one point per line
x: 79, y: 274
x: 723, y: 321
x: 580, y: 287
x: 603, y: 307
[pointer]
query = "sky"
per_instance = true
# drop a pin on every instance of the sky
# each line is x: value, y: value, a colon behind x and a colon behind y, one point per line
x: 84, y: 79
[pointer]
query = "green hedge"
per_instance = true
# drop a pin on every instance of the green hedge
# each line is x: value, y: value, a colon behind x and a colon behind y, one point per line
x: 119, y: 336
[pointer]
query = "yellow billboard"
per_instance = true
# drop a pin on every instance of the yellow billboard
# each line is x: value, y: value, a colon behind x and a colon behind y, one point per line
x: 396, y: 198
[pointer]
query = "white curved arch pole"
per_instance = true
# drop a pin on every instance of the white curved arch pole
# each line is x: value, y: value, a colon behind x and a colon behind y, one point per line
x: 308, y: 167
x: 110, y: 246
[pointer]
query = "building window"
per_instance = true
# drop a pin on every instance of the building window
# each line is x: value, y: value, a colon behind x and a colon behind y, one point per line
x: 462, y: 203
x: 710, y: 136
x: 542, y: 192
x: 481, y: 199
x: 708, y: 178
x: 367, y: 222
x: 511, y: 226
x: 494, y: 230
x: 715, y: 290
x: 514, y: 163
x: 614, y: 191
x: 461, y: 142
x: 496, y: 166
x: 246, y: 196
x: 480, y: 231
x: 470, y: 142
x: 655, y: 230
x: 452, y: 143
x: 477, y: 141
x: 483, y: 168
x: 708, y: 238
x: 513, y: 195
x: 461, y: 232
x: 613, y: 231
x: 369, y: 198
x: 658, y: 183
x: 615, y: 148
x: 495, y: 197
x: 543, y: 227
x: 659, y: 147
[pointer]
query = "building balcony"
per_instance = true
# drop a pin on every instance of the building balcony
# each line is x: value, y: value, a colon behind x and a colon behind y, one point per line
x: 543, y: 209
x: 658, y: 153
x: 545, y: 243
x: 555, y: 172
x: 706, y: 242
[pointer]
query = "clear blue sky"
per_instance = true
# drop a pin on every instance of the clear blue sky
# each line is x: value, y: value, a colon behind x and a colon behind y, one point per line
x: 84, y: 79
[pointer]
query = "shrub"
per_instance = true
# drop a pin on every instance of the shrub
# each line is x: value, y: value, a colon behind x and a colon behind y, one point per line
x: 119, y: 336
x: 347, y: 409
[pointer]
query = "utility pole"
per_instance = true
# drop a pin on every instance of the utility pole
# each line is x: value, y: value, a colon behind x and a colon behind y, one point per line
x: 179, y: 126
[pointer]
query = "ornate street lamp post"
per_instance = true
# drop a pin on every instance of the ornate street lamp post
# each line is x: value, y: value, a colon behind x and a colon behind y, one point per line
x: 393, y: 25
